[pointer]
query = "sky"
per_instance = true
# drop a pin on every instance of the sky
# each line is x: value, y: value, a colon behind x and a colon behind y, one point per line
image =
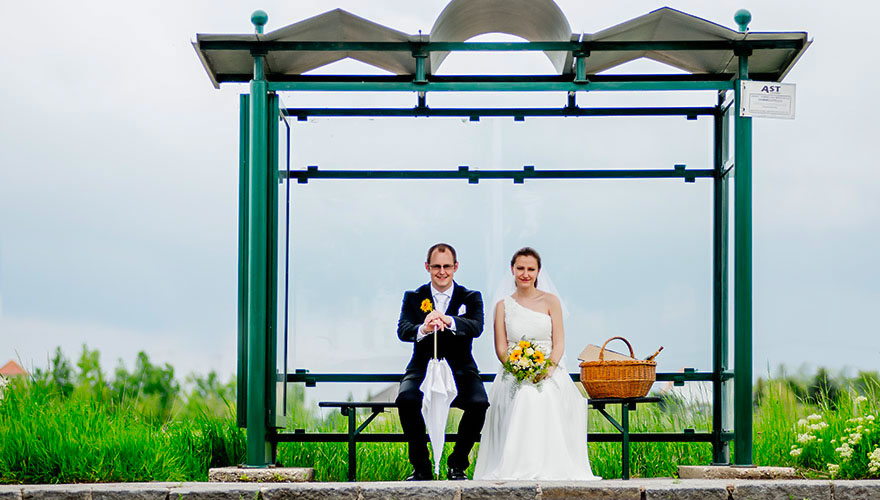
x: 119, y: 191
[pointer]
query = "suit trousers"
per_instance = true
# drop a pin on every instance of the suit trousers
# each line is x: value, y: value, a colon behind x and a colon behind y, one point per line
x: 409, y: 407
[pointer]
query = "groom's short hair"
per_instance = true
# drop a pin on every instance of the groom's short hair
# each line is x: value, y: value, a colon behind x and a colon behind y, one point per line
x: 442, y: 248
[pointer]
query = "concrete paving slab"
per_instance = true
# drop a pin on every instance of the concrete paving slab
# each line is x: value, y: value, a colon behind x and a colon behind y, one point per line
x: 730, y: 472
x: 781, y: 490
x: 677, y: 489
x: 262, y: 475
x: 493, y: 490
x: 10, y: 492
x: 56, y: 492
x: 215, y: 491
x: 614, y: 489
x: 311, y: 491
x: 399, y: 490
x: 132, y: 491
x: 866, y: 489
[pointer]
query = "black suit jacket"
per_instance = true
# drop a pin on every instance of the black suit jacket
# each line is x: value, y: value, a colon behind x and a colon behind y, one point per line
x: 455, y: 347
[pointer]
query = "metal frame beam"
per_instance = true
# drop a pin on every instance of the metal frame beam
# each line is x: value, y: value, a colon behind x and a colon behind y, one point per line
x: 397, y: 85
x: 595, y: 437
x: 516, y: 113
x: 310, y: 379
x: 518, y: 176
x: 264, y: 46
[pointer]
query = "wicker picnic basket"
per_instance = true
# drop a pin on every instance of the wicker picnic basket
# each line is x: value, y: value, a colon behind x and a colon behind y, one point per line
x: 631, y: 378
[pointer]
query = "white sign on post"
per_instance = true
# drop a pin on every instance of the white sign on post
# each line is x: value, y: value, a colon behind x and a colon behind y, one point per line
x: 767, y: 99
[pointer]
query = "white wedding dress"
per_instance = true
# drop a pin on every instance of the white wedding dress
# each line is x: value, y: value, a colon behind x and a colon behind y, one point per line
x: 533, y: 432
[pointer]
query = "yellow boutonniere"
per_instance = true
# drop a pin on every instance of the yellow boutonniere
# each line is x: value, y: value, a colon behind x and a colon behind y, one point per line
x: 427, y: 306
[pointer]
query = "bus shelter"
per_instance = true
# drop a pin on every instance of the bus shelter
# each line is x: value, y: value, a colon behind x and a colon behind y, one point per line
x: 713, y: 58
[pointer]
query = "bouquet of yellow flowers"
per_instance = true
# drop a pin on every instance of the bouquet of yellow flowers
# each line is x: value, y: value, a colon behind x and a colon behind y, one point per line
x: 526, y: 362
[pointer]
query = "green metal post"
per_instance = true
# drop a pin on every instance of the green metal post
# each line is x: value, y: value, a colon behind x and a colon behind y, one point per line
x: 720, y: 357
x: 580, y: 72
x: 352, y: 444
x: 420, y: 68
x: 244, y: 153
x: 258, y: 447
x: 624, y: 422
x: 742, y: 302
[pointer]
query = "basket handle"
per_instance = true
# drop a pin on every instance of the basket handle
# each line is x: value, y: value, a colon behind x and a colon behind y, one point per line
x: 602, y: 352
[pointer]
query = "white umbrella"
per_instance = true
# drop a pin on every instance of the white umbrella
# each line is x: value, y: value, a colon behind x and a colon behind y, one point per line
x: 438, y: 391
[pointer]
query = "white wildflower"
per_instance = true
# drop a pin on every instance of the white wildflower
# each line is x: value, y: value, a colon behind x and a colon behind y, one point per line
x: 814, y: 417
x: 834, y: 469
x: 870, y: 417
x: 805, y: 438
x: 845, y: 450
x: 818, y: 427
x: 802, y: 422
x: 874, y: 464
x: 855, y: 437
x: 796, y: 452
x: 861, y: 399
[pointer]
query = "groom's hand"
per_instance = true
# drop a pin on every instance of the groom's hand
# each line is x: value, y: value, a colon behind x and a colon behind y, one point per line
x: 436, y: 319
x: 428, y: 327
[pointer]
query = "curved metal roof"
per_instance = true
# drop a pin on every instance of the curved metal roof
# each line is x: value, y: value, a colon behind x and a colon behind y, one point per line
x: 681, y: 40
x: 534, y: 20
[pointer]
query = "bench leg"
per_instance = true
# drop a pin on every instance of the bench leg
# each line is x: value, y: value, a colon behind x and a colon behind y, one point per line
x: 352, y: 445
x: 624, y: 421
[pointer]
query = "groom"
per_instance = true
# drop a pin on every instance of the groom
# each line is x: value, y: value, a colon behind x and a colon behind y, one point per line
x: 457, y: 314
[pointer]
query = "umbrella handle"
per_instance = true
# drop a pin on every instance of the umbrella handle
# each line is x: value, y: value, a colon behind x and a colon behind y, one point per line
x: 435, y: 341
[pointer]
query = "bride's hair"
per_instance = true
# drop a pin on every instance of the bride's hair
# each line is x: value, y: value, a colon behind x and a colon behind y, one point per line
x: 527, y: 252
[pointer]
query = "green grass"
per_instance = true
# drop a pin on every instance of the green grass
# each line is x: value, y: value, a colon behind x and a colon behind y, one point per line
x: 52, y: 438
x: 48, y: 439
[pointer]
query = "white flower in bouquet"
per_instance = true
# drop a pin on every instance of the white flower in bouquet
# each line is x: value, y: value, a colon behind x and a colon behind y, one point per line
x: 526, y: 361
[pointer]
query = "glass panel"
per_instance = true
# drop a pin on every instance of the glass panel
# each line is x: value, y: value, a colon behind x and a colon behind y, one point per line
x: 283, y: 311
x: 630, y: 257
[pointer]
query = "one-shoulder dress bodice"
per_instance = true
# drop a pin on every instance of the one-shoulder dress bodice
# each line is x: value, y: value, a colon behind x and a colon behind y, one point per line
x: 524, y: 323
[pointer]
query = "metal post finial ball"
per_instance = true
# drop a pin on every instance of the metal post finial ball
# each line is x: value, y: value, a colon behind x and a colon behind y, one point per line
x: 259, y: 18
x: 743, y: 18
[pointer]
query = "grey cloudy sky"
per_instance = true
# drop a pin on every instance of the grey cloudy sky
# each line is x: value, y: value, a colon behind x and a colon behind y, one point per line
x: 118, y: 196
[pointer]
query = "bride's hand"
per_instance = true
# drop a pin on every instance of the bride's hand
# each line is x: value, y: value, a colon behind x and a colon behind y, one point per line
x: 547, y: 374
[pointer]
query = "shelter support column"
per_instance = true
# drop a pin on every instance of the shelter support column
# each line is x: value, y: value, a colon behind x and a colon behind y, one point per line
x: 720, y: 255
x: 243, y: 259
x: 259, y: 294
x: 742, y: 300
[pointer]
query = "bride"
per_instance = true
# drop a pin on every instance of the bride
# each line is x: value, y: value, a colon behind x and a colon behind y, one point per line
x: 533, y: 431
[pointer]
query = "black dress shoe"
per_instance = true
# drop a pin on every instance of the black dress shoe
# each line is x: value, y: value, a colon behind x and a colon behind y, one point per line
x: 456, y: 474
x: 420, y: 475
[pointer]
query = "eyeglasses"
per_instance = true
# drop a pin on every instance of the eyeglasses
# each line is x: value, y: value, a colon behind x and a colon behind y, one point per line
x: 437, y: 267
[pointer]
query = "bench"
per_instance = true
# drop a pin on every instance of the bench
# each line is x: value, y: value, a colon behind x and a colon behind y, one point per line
x: 349, y: 409
x: 626, y: 405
